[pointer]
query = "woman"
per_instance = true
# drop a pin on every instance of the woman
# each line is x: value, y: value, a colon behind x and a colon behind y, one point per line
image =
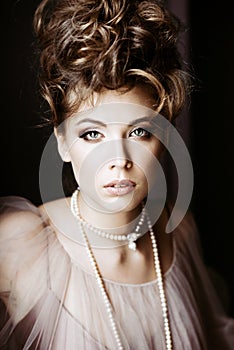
x: 97, y: 271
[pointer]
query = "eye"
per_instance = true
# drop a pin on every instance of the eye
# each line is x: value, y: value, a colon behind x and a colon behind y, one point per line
x: 91, y: 135
x: 140, y: 132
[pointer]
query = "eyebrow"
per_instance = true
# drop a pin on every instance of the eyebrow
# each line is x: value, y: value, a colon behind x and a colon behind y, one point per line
x: 91, y: 121
x: 132, y: 122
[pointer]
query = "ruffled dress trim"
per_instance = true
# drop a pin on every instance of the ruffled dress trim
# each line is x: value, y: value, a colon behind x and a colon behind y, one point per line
x: 51, y: 302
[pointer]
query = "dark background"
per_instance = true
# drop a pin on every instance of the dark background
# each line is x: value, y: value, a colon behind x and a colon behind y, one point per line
x: 212, y: 56
x: 210, y: 51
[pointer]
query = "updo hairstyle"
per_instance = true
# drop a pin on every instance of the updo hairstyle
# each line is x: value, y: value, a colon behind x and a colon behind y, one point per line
x: 87, y: 46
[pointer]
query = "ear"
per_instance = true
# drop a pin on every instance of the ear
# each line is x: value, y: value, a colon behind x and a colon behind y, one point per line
x: 62, y: 146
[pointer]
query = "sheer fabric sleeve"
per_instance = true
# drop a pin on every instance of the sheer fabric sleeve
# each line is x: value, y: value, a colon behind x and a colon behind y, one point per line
x: 50, y: 302
x: 23, y: 271
x: 23, y: 266
x: 36, y: 279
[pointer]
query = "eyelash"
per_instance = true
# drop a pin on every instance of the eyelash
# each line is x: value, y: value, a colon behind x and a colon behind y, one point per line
x: 147, y: 134
x: 87, y: 135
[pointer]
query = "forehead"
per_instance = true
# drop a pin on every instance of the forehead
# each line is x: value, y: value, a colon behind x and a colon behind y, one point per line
x: 117, y: 105
x: 113, y: 112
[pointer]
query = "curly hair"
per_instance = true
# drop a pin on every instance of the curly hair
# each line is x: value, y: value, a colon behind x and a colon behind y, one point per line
x: 90, y: 45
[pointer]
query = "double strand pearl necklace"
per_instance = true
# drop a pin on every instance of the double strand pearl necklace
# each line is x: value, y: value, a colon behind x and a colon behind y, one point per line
x: 101, y: 285
x: 131, y: 237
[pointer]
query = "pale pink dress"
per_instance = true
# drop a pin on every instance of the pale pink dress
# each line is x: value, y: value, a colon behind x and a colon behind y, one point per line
x: 42, y: 320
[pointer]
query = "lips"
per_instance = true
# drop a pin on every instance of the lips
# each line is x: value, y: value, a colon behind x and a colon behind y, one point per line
x: 120, y: 183
x: 120, y: 187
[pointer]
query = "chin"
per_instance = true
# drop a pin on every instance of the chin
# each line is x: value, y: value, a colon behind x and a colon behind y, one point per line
x: 125, y: 203
x: 114, y: 204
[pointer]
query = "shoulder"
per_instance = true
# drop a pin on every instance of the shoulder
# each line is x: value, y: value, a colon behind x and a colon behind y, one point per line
x: 55, y: 207
x: 189, y: 251
x: 56, y: 213
x: 29, y: 252
x: 185, y: 233
x: 181, y: 222
x: 187, y: 230
x: 20, y: 228
x: 18, y: 216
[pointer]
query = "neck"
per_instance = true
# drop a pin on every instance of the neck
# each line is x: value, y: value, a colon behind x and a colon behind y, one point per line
x: 121, y: 222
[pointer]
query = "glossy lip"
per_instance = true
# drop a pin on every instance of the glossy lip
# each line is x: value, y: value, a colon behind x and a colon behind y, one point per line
x: 120, y: 187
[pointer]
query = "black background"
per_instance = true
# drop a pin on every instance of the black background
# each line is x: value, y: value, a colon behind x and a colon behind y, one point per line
x: 211, y: 49
x: 212, y: 53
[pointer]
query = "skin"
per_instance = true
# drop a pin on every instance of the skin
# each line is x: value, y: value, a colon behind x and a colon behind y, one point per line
x: 119, y: 263
x: 88, y: 137
x: 123, y: 265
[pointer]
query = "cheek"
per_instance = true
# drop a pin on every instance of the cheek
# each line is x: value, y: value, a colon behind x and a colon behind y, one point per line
x: 86, y: 162
x: 156, y: 148
x: 77, y: 156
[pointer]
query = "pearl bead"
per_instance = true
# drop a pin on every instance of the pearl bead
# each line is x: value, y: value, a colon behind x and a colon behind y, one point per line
x: 74, y: 205
x: 100, y: 282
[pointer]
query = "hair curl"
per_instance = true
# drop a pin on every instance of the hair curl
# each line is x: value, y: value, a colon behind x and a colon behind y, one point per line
x: 90, y: 45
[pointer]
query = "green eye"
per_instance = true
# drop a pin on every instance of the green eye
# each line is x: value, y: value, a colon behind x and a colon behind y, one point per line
x: 140, y: 132
x: 91, y: 135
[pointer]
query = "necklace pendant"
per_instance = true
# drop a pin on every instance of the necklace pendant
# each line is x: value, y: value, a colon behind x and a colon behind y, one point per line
x: 132, y: 237
x: 132, y: 245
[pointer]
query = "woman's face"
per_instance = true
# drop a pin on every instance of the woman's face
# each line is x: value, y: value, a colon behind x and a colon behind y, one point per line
x: 113, y: 149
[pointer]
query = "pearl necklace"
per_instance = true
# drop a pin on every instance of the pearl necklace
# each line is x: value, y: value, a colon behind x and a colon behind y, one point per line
x: 103, y: 291
x: 131, y: 237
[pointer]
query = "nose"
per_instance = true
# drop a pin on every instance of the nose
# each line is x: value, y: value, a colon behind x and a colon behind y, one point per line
x: 121, y: 157
x: 121, y: 163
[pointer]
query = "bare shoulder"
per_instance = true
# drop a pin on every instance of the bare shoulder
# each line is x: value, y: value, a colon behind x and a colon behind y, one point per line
x: 56, y: 206
x: 56, y: 212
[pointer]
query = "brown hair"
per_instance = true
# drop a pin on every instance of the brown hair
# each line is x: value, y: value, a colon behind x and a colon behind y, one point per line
x: 90, y: 45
